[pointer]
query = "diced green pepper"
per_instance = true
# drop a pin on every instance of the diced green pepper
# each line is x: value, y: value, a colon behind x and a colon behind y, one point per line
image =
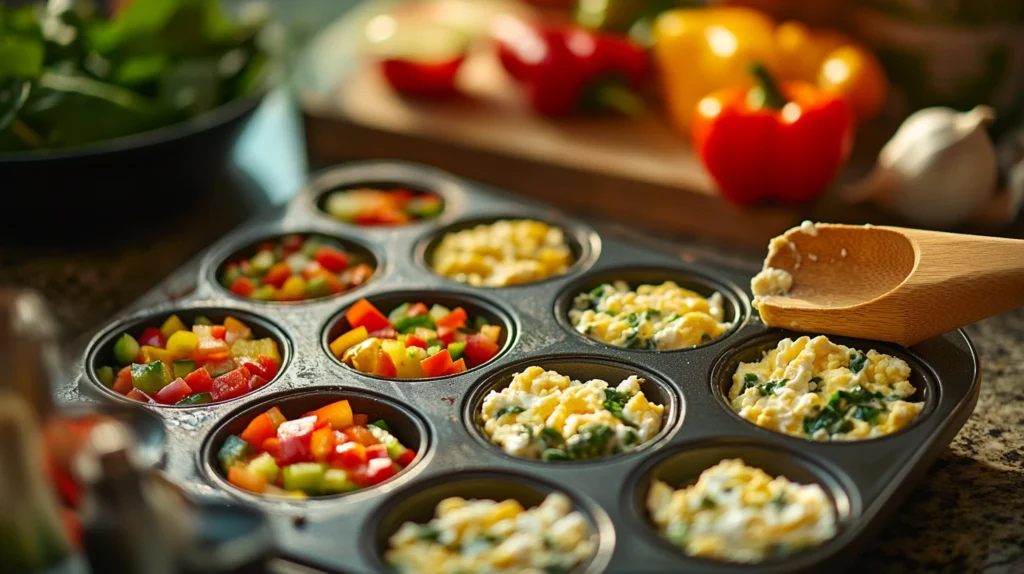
x: 438, y: 312
x: 335, y: 481
x: 480, y: 322
x: 424, y: 207
x: 196, y: 399
x: 126, y: 349
x: 310, y: 247
x: 457, y: 349
x: 399, y: 313
x: 264, y: 293
x: 182, y: 368
x: 553, y: 454
x: 261, y: 262
x: 381, y: 425
x: 150, y: 378
x: 231, y: 274
x: 106, y: 376
x: 433, y: 350
x: 233, y: 450
x: 304, y: 476
x: 409, y: 324
x: 265, y: 466
x: 202, y: 320
x: 318, y: 287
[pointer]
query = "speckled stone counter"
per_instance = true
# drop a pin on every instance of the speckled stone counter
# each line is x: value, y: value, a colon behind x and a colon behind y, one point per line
x: 967, y: 515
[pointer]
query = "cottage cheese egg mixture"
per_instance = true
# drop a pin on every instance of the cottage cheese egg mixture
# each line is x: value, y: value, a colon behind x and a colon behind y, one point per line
x: 662, y: 317
x: 503, y: 253
x: 816, y: 389
x: 488, y: 536
x: 739, y: 513
x: 546, y: 415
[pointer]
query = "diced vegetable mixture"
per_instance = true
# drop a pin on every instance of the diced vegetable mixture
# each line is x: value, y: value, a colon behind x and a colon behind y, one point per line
x: 398, y: 206
x: 296, y: 268
x: 179, y: 365
x: 328, y: 451
x: 415, y: 340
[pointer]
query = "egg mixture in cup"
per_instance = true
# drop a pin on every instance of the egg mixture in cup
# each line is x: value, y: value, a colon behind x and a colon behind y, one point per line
x: 828, y: 389
x: 505, y: 252
x: 560, y: 409
x: 650, y: 309
x: 730, y: 500
x: 489, y: 521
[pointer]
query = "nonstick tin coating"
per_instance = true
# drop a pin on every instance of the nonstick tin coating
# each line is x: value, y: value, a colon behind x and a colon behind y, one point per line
x: 872, y: 477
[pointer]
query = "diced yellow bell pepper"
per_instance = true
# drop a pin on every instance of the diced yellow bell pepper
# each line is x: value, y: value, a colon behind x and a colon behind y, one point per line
x: 348, y: 340
x: 153, y: 354
x: 294, y: 289
x: 492, y: 332
x: 182, y: 344
x: 363, y: 357
x: 255, y: 348
x: 171, y: 326
x: 407, y: 364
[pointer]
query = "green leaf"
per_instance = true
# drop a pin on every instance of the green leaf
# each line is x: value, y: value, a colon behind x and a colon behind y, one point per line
x: 20, y: 57
x: 192, y: 86
x: 13, y: 95
x: 857, y: 362
x: 142, y: 70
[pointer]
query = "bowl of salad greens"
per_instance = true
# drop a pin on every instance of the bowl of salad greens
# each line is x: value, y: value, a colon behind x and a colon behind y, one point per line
x: 143, y: 99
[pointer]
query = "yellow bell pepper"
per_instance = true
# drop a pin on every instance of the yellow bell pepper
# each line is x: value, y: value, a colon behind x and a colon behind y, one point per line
x: 701, y: 50
x: 349, y: 340
x: 171, y: 326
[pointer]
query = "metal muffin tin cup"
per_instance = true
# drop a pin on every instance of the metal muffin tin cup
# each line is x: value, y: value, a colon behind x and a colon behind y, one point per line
x: 873, y: 476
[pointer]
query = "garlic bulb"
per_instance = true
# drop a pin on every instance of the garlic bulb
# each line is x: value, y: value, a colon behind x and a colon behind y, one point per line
x: 938, y: 170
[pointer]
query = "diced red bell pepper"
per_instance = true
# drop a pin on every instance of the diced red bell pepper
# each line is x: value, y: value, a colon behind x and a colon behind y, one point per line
x: 259, y: 430
x: 377, y: 451
x: 140, y: 396
x: 242, y: 287
x: 360, y: 435
x: 361, y: 420
x: 480, y: 349
x: 230, y: 385
x: 245, y: 479
x: 379, y: 469
x: 348, y: 455
x: 266, y: 246
x: 406, y: 458
x: 414, y: 341
x: 273, y: 447
x: 291, y: 243
x: 321, y: 444
x: 256, y: 382
x: 294, y: 436
x: 457, y: 367
x: 446, y: 335
x: 364, y: 314
x: 385, y: 333
x: 152, y: 337
x: 219, y: 332
x: 331, y: 258
x: 357, y: 474
x: 423, y: 79
x: 173, y: 392
x: 123, y: 382
x: 337, y: 414
x: 454, y: 320
x: 385, y: 365
x: 436, y: 365
x: 270, y: 367
x: 277, y: 274
x: 417, y: 309
x: 200, y: 380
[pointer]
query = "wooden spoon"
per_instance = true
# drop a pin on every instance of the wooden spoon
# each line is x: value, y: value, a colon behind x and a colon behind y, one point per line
x: 891, y: 283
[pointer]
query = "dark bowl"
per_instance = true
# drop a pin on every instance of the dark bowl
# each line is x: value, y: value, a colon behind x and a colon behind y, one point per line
x: 145, y: 173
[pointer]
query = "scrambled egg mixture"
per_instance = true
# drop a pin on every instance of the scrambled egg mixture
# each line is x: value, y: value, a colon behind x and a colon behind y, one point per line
x: 815, y: 389
x: 659, y: 317
x: 493, y: 537
x: 543, y: 414
x: 503, y: 253
x: 739, y: 513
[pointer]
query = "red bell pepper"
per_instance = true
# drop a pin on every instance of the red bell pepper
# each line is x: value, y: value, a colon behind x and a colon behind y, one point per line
x: 199, y: 381
x: 417, y: 309
x: 331, y: 258
x: 140, y: 396
x: 456, y: 368
x: 417, y: 56
x: 773, y: 142
x: 566, y: 69
x: 173, y: 392
x: 454, y: 320
x: 385, y: 365
x: 361, y: 420
x: 361, y: 435
x: 256, y: 382
x: 363, y: 314
x: 377, y: 451
x: 379, y: 469
x: 480, y: 349
x: 242, y: 287
x: 259, y: 430
x: 348, y: 455
x: 277, y: 274
x: 295, y: 438
x: 123, y: 382
x: 152, y: 337
x: 436, y: 365
x: 414, y: 341
x: 230, y: 385
x: 425, y: 79
x: 406, y: 458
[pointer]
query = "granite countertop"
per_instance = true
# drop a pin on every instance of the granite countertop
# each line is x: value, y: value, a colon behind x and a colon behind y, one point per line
x: 967, y: 515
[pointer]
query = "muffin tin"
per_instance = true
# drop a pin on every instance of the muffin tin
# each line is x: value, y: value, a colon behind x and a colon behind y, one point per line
x: 865, y: 480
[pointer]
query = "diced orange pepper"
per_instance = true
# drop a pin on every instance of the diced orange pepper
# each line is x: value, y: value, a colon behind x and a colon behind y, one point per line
x: 123, y: 382
x: 360, y: 434
x: 436, y: 365
x: 361, y: 420
x: 338, y: 414
x: 417, y: 309
x: 321, y: 443
x: 457, y: 367
x: 277, y: 274
x: 219, y: 331
x: 272, y: 446
x: 242, y: 478
x: 364, y: 314
x: 260, y: 429
x: 455, y: 319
